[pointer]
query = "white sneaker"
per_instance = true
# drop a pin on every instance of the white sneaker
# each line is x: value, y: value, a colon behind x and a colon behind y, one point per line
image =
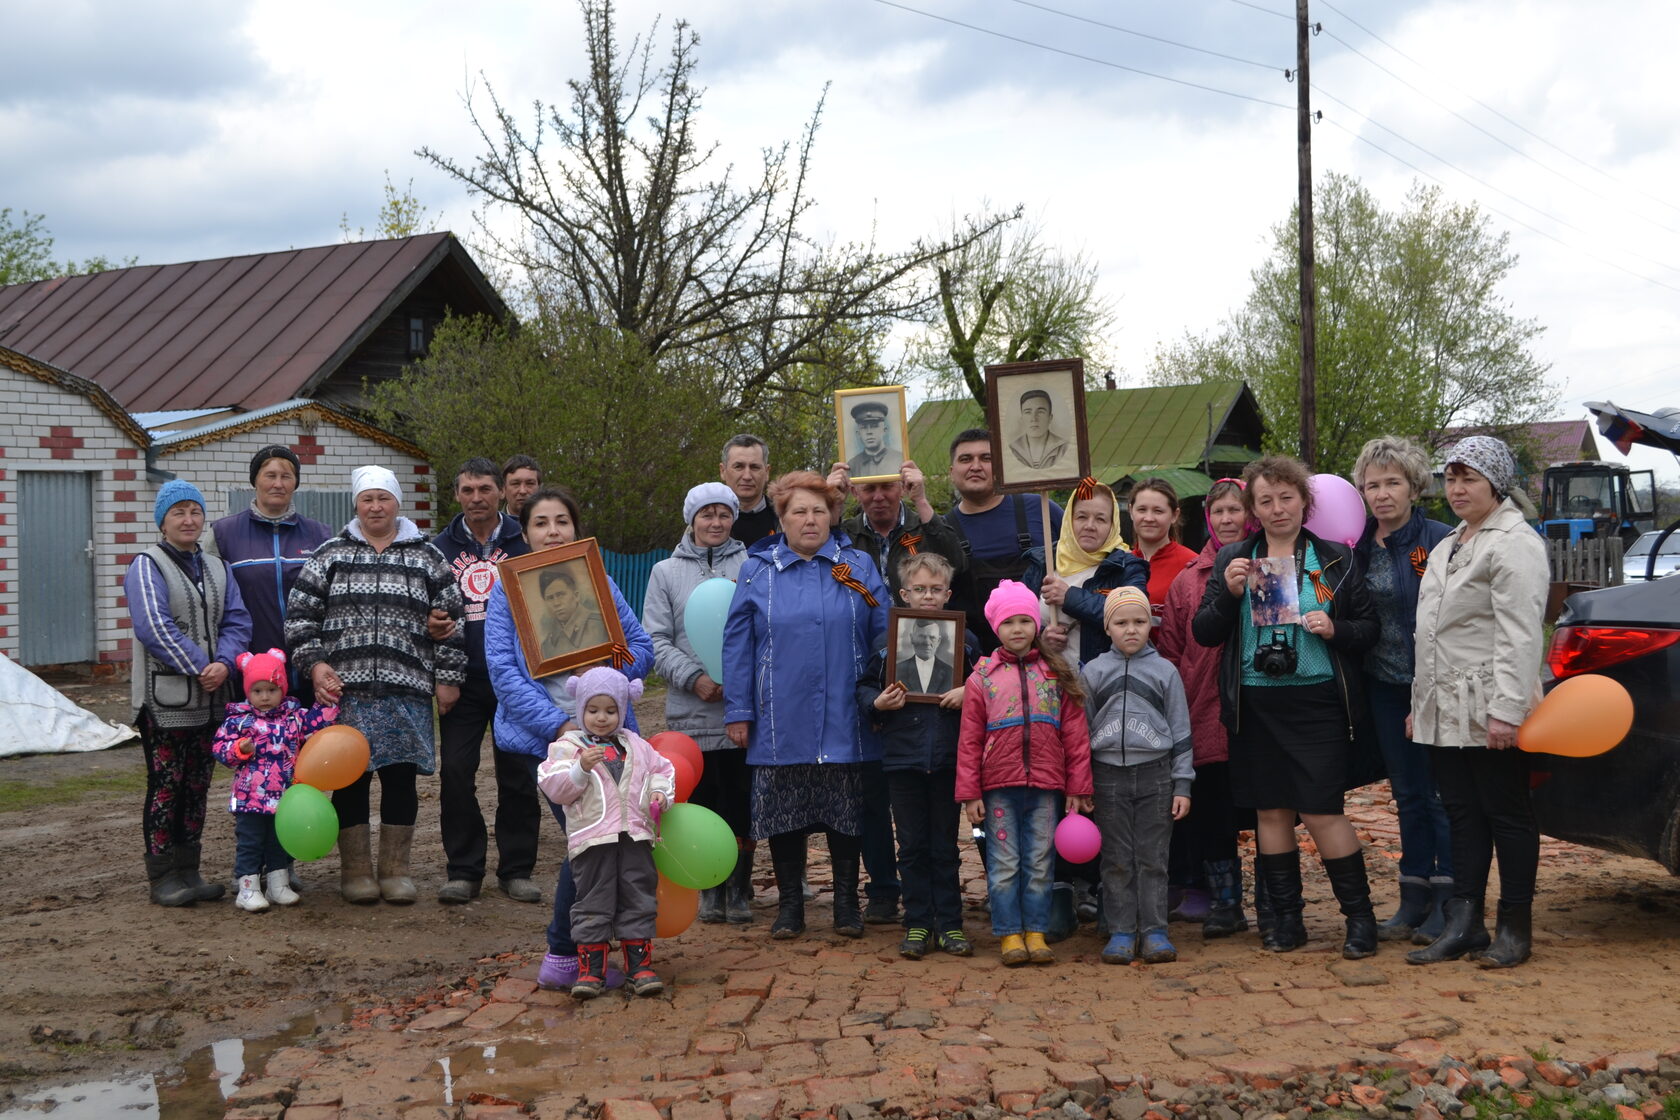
x: 250, y: 894
x: 280, y: 890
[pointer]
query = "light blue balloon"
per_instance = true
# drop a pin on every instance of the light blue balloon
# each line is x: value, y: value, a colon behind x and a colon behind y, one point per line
x: 703, y: 619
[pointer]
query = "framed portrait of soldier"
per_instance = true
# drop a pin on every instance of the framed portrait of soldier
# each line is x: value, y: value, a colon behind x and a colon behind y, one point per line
x: 874, y: 431
x: 924, y: 652
x: 562, y: 607
x: 1036, y: 414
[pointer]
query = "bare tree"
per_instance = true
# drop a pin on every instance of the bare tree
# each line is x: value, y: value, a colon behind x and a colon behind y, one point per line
x: 1006, y: 296
x: 628, y: 214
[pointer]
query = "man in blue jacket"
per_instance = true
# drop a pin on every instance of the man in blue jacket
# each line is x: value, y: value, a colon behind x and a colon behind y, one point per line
x: 479, y: 538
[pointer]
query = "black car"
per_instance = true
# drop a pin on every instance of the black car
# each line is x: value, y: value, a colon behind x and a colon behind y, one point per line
x: 1628, y: 799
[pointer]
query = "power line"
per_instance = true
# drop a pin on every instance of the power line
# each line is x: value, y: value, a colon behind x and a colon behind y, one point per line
x: 1483, y: 182
x: 1082, y: 57
x: 1266, y: 10
x: 1495, y: 137
x: 1495, y: 210
x: 1146, y: 35
x: 1484, y: 105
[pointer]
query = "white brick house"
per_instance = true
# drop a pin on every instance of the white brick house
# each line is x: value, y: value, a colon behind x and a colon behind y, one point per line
x: 78, y: 481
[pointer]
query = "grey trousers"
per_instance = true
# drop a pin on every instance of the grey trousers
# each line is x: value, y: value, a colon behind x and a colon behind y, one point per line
x: 617, y: 892
x: 1134, y: 813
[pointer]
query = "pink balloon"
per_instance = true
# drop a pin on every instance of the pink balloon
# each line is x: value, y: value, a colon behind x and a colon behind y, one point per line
x: 1078, y: 839
x: 1338, y: 510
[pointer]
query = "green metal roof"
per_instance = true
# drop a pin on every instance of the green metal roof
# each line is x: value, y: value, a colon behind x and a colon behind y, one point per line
x: 1185, y: 481
x: 1147, y: 430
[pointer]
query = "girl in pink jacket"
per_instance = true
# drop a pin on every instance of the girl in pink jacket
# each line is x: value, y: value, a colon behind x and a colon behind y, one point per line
x: 260, y: 740
x: 613, y: 785
x: 1024, y: 743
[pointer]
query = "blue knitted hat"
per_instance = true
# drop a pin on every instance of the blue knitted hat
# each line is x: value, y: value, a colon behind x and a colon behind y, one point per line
x: 175, y: 490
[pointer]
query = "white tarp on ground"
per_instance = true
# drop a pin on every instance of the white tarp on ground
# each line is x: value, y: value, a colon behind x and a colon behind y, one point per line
x: 36, y: 718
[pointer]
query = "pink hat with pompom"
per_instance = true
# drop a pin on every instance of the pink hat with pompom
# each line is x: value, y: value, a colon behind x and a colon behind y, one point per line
x: 270, y: 667
x: 603, y: 681
x: 1008, y: 600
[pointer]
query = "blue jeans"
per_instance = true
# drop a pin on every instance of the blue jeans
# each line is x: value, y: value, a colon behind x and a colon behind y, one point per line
x: 1020, y: 829
x: 560, y: 941
x: 256, y: 848
x: 1425, y: 836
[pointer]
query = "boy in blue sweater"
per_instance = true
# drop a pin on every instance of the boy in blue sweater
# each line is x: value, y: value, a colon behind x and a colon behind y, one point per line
x: 919, y: 756
x: 1143, y: 768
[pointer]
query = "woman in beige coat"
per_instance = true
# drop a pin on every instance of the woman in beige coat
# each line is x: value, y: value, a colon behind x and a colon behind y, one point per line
x: 1479, y: 637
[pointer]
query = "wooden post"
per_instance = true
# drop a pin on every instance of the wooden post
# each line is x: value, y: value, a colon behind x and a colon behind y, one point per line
x: 1309, y: 309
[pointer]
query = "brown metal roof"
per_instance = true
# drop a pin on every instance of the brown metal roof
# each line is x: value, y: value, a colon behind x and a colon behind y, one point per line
x: 241, y: 332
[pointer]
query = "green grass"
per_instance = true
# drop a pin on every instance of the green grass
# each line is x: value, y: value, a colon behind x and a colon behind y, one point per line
x: 20, y: 796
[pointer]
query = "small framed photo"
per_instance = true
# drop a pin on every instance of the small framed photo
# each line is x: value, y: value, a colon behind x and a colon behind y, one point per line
x: 925, y: 652
x: 1036, y: 413
x: 562, y: 607
x: 874, y: 431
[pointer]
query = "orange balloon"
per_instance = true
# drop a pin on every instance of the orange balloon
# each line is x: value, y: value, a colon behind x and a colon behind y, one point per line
x: 677, y: 908
x: 686, y: 778
x: 332, y: 758
x: 1581, y: 717
x: 674, y: 743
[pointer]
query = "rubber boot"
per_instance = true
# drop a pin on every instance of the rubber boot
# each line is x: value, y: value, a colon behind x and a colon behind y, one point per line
x: 1353, y: 894
x: 1283, y: 887
x: 1440, y: 893
x: 355, y: 866
x: 1413, y: 912
x: 187, y: 857
x: 848, y: 919
x: 1465, y: 932
x: 1513, y: 938
x: 1225, y: 914
x: 711, y: 906
x: 1264, y: 919
x: 790, y: 907
x: 737, y: 897
x: 167, y: 887
x: 639, y: 975
x: 592, y: 970
x: 396, y: 844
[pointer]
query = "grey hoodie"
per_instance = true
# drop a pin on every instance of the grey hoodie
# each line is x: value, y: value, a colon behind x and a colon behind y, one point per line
x: 1138, y: 713
x: 670, y: 584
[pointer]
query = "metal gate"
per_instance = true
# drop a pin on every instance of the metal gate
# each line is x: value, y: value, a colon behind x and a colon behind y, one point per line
x: 55, y: 567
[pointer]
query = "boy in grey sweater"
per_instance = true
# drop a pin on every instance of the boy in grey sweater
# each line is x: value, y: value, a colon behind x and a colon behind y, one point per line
x: 1143, y: 768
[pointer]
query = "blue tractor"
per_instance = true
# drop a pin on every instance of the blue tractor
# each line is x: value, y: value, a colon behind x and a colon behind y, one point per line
x: 1593, y: 500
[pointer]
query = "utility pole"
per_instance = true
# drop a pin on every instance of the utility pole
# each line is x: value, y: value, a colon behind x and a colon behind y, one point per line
x: 1309, y: 308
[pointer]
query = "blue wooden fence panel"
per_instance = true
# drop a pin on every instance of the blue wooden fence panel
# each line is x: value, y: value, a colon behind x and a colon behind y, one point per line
x: 631, y: 573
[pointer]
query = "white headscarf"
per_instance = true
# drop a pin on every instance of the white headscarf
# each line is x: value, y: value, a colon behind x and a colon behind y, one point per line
x: 375, y: 478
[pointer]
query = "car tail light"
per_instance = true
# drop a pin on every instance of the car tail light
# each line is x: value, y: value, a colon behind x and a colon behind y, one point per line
x: 1587, y: 649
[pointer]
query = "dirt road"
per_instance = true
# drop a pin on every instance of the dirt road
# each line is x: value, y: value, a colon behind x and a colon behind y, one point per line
x: 99, y: 982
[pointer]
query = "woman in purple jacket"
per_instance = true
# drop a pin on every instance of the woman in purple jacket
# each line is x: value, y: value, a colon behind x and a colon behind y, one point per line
x: 190, y: 625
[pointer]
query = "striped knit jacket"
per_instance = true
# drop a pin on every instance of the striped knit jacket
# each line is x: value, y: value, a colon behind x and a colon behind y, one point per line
x: 364, y: 613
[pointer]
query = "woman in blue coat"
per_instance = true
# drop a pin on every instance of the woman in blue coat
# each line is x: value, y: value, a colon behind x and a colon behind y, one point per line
x: 532, y: 713
x: 807, y: 614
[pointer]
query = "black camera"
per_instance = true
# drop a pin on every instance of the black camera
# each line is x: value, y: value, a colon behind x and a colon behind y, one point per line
x: 1276, y: 658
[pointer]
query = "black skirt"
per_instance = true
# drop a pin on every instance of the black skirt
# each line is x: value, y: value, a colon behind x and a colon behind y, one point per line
x: 1291, y: 749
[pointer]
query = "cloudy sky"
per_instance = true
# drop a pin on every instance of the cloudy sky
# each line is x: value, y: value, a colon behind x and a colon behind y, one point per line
x: 182, y: 129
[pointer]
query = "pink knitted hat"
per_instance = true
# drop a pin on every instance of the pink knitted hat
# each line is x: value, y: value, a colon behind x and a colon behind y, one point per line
x: 1010, y: 599
x: 601, y: 680
x: 270, y: 667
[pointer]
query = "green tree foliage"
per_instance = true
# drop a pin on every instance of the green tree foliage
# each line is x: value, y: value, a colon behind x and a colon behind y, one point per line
x: 26, y: 252
x: 1006, y: 296
x: 626, y: 434
x: 1413, y: 335
x: 400, y: 215
x: 627, y: 214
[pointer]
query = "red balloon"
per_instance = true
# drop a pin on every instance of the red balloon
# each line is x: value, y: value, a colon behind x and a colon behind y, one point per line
x: 686, y: 778
x: 674, y: 743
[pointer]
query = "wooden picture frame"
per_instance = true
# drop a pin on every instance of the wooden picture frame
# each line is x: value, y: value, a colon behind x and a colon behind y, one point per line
x: 903, y: 624
x: 560, y: 631
x: 1036, y: 414
x: 878, y: 464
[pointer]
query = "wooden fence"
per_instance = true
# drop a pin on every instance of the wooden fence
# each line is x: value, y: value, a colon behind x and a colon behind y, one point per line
x: 631, y: 573
x: 1595, y: 563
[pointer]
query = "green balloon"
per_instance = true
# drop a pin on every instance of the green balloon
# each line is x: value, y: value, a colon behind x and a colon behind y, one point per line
x: 696, y: 847
x: 305, y: 822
